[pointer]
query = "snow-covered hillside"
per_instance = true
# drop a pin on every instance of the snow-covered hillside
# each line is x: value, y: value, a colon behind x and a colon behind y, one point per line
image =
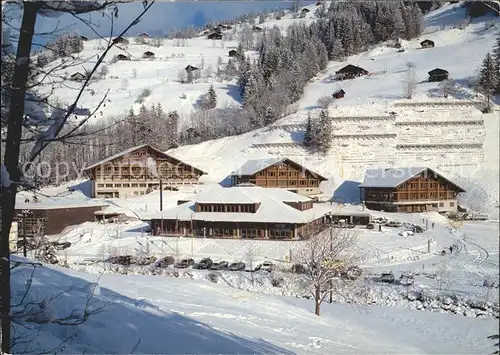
x: 148, y: 314
x: 126, y: 80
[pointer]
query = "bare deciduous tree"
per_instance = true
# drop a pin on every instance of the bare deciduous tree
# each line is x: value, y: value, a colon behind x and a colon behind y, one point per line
x: 14, y: 118
x: 325, y: 256
x: 447, y: 87
x: 325, y: 101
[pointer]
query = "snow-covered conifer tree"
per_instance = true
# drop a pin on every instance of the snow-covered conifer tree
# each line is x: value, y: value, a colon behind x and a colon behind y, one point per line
x: 488, y: 79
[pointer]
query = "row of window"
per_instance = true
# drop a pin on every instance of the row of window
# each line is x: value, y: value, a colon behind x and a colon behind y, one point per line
x: 201, y: 207
x: 285, y: 183
x: 126, y: 185
x: 127, y: 169
x: 424, y: 185
x: 280, y: 173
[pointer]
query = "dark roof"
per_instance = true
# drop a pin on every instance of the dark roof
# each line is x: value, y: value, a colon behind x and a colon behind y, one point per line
x: 148, y: 53
x: 120, y: 39
x: 77, y: 75
x: 306, y: 10
x: 351, y: 69
x: 121, y: 56
x: 438, y: 71
x: 190, y: 68
x: 426, y: 41
x: 233, y: 51
x: 257, y: 28
x: 341, y: 91
x: 143, y: 35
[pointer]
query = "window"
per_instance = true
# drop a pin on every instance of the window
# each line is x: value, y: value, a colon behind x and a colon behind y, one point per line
x: 452, y: 204
x: 126, y: 185
x: 134, y: 185
x: 283, y: 173
x: 118, y: 185
x: 100, y: 185
x: 141, y: 193
x: 303, y: 182
x: 413, y: 186
x: 282, y: 182
x: 441, y: 204
x: 271, y: 173
x: 136, y: 193
x: 109, y: 185
x: 142, y: 185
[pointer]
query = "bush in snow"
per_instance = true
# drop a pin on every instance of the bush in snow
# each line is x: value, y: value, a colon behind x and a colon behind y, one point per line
x: 213, y: 277
x: 142, y: 96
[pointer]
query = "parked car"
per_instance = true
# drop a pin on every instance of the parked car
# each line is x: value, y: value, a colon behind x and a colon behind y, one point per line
x: 351, y: 225
x: 239, y: 266
x: 393, y: 224
x: 418, y: 229
x: 219, y: 266
x: 406, y: 233
x: 184, y: 263
x: 352, y: 273
x: 61, y: 245
x: 387, y: 277
x: 253, y: 268
x: 267, y: 266
x: 165, y: 262
x: 370, y: 226
x: 204, y: 264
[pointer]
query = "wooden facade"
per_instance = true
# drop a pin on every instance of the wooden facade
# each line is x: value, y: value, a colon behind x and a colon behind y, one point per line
x: 138, y: 171
x: 49, y: 221
x: 198, y: 227
x: 285, y: 174
x: 426, y: 191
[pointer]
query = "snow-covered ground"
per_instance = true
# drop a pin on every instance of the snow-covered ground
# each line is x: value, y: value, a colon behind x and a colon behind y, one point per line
x: 148, y: 314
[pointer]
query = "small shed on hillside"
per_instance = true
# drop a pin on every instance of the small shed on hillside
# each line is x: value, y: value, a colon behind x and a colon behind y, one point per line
x: 144, y: 35
x: 148, y: 55
x: 122, y: 57
x: 438, y: 74
x: 120, y: 40
x: 215, y: 36
x: 350, y: 72
x: 305, y: 10
x: 77, y: 77
x: 190, y: 68
x: 339, y: 94
x: 232, y: 53
x: 427, y: 43
x: 319, y: 3
x: 257, y: 29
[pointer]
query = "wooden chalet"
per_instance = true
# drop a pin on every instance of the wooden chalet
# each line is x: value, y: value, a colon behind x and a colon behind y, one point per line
x: 122, y: 57
x: 120, y: 40
x: 350, y: 72
x: 427, y: 43
x: 233, y: 53
x: 438, y: 74
x: 148, y: 55
x: 257, y: 29
x: 78, y: 77
x: 414, y: 189
x: 243, y: 212
x: 305, y: 11
x: 215, y: 36
x: 190, y: 68
x: 339, y: 94
x: 138, y: 171
x: 278, y: 172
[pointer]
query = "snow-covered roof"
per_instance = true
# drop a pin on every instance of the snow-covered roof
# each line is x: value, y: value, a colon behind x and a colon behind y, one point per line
x: 133, y: 149
x: 393, y: 177
x: 54, y: 204
x: 272, y: 206
x: 253, y: 166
